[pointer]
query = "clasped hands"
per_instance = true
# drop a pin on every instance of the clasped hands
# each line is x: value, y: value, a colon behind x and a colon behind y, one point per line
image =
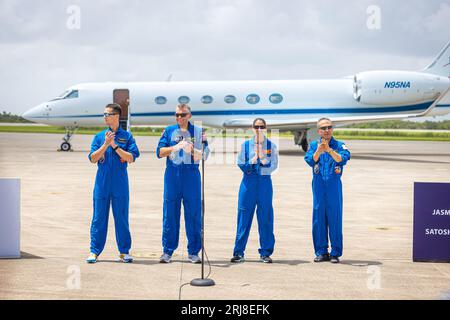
x: 259, y: 154
x: 188, y: 147
x: 323, y: 147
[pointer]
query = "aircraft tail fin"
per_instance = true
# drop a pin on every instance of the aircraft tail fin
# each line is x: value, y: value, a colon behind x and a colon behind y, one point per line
x: 441, y: 64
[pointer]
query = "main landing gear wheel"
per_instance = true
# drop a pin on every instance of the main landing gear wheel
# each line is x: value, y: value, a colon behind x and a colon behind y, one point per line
x: 300, y: 139
x: 304, y: 145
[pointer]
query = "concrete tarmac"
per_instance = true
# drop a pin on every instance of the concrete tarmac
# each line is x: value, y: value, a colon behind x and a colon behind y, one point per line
x: 378, y: 223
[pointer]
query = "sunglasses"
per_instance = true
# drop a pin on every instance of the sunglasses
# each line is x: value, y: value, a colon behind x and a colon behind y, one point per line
x: 259, y: 127
x: 106, y: 114
x: 181, y: 115
x: 326, y: 128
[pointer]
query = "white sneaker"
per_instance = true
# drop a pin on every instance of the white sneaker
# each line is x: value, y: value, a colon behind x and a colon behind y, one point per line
x: 92, y: 258
x: 165, y: 258
x: 194, y: 258
x: 126, y: 258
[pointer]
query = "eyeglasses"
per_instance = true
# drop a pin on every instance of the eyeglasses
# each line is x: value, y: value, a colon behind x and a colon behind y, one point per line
x: 326, y: 128
x: 106, y: 114
x: 259, y: 127
x: 181, y: 115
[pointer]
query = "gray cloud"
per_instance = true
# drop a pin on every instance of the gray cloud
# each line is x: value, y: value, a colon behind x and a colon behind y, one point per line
x: 206, y: 40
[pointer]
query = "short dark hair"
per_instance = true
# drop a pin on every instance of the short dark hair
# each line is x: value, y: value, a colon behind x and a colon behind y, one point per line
x: 259, y: 119
x: 116, y: 107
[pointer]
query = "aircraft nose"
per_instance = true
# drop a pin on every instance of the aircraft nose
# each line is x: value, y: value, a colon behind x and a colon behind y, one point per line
x: 33, y: 113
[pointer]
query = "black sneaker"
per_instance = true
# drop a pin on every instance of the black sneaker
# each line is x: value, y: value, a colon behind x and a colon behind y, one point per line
x: 334, y: 259
x: 322, y: 258
x: 266, y: 259
x: 237, y: 258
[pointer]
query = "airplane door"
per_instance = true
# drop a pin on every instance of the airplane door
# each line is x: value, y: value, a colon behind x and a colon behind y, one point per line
x: 122, y: 97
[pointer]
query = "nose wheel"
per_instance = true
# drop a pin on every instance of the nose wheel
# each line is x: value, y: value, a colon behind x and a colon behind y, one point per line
x: 66, y: 146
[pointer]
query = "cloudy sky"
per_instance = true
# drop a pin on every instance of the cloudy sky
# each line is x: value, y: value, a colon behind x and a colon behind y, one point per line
x: 48, y: 45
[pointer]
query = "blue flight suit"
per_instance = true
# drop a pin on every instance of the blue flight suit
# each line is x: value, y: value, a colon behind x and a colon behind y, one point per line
x: 182, y: 182
x: 327, y: 197
x: 256, y: 191
x: 111, y: 188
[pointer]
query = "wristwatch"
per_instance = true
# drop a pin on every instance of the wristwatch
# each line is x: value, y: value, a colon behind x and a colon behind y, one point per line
x: 117, y: 147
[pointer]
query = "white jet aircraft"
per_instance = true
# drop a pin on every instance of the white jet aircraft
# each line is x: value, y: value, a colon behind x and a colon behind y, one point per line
x: 293, y: 105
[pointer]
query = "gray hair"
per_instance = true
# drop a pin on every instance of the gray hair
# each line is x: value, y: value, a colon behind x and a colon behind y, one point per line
x: 184, y: 106
x: 321, y: 119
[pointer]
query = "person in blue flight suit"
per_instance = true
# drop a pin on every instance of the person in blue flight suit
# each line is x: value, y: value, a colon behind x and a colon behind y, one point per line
x: 112, y: 150
x: 257, y: 159
x: 327, y: 157
x: 183, y: 144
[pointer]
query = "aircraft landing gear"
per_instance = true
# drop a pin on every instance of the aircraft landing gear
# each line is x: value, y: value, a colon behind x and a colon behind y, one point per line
x: 300, y: 139
x: 66, y: 146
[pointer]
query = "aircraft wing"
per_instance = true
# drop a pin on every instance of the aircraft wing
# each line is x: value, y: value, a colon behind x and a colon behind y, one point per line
x: 294, y: 124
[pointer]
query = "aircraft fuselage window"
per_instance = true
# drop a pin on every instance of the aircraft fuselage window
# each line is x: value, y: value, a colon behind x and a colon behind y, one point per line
x: 276, y: 98
x: 73, y: 94
x: 184, y: 99
x: 230, y: 99
x: 207, y: 99
x: 252, y: 98
x: 160, y: 100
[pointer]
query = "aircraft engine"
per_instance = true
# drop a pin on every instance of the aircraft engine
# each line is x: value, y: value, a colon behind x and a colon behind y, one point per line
x: 397, y: 87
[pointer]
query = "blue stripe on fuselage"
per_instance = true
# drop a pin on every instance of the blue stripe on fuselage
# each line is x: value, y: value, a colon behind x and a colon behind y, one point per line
x: 262, y: 111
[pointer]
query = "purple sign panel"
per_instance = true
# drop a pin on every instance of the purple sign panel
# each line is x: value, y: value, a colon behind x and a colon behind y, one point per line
x: 431, y: 239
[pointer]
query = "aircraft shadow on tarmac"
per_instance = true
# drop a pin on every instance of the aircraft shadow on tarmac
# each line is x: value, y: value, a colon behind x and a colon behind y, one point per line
x: 227, y: 263
x: 214, y: 263
x: 360, y: 263
x: 139, y: 261
x: 354, y: 263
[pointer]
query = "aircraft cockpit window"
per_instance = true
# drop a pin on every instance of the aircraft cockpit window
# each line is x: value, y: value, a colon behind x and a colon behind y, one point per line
x: 65, y: 93
x: 252, y: 98
x: 207, y: 99
x: 73, y: 94
x: 230, y: 99
x: 62, y: 95
x: 276, y: 98
x: 68, y: 94
x: 160, y: 100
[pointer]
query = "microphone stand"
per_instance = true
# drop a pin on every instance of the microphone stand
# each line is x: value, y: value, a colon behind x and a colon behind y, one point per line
x: 203, y: 282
